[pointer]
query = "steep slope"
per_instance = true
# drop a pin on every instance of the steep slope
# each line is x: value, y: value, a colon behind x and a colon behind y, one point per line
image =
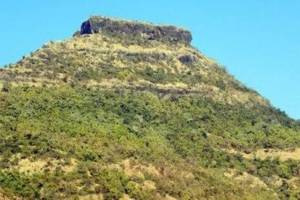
x: 131, y: 110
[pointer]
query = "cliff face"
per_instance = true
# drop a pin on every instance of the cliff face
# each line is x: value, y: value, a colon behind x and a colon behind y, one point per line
x: 151, y: 32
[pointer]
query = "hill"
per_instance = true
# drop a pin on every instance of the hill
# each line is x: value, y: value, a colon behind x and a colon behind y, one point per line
x: 130, y: 110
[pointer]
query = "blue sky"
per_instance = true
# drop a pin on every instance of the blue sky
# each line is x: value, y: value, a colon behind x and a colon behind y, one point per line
x: 257, y: 40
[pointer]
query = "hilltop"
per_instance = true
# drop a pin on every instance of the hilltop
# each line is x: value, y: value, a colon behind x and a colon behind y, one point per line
x: 130, y: 110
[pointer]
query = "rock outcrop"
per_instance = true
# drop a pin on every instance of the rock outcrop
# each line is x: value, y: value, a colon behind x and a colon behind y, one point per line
x: 187, y: 59
x: 151, y: 32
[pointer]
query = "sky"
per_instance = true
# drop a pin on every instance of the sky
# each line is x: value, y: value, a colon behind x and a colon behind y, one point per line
x: 258, y: 41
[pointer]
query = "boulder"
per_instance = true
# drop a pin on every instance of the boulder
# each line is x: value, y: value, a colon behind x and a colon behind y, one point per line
x: 187, y: 59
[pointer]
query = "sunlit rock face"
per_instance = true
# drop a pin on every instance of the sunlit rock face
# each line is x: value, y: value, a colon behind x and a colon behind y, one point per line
x: 151, y: 32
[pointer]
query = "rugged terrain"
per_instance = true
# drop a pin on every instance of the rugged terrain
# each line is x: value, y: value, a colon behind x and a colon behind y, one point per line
x: 130, y: 110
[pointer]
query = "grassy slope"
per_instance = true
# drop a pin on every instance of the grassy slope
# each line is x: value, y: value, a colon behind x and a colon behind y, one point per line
x: 104, y: 116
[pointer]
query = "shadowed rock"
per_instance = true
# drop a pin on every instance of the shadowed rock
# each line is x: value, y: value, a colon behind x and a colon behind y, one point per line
x: 187, y: 59
x: 148, y: 31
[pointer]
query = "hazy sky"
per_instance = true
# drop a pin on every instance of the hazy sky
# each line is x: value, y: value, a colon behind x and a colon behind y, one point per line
x: 257, y: 40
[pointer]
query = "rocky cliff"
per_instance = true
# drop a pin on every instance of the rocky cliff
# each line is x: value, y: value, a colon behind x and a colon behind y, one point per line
x: 151, y: 32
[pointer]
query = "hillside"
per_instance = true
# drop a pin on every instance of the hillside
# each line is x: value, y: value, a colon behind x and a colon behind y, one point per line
x: 130, y: 110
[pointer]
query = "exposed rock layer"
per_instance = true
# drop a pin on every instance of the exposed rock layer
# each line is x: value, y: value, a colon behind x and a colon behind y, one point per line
x: 151, y: 32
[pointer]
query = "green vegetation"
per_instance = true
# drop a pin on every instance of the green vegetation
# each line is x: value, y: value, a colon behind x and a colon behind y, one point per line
x: 110, y: 116
x: 99, y: 128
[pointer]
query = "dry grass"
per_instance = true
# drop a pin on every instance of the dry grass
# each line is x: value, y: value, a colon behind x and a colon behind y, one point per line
x: 91, y: 197
x: 149, y: 185
x: 246, y: 179
x: 126, y: 197
x: 293, y: 154
x: 168, y: 197
x: 131, y: 168
x: 94, y: 50
x: 282, y: 155
x: 31, y: 166
x: 4, y: 197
